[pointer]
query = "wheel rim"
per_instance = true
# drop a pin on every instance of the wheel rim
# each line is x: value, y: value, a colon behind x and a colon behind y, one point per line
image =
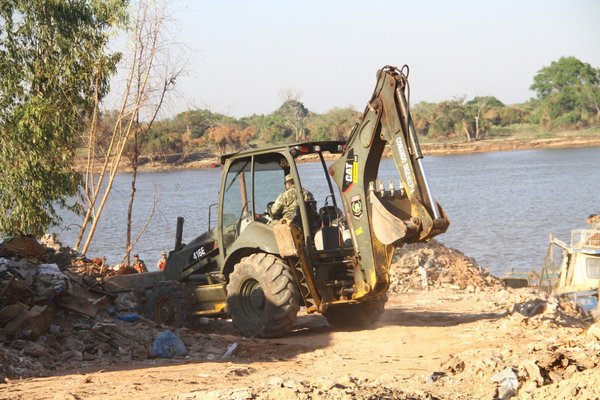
x: 165, y: 311
x: 252, y: 298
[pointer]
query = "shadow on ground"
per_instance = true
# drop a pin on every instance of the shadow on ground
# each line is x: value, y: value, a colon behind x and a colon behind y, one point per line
x: 210, y: 340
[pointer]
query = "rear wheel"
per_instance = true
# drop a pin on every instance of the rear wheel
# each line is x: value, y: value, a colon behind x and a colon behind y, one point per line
x: 356, y: 316
x: 262, y: 296
x: 168, y: 304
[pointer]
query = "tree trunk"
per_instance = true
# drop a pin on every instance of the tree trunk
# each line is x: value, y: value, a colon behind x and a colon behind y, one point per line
x: 134, y: 166
x: 466, y: 130
x: 141, y: 91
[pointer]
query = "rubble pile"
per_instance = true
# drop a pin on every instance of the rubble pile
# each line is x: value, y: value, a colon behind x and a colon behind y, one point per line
x: 431, y: 265
x: 324, y: 388
x: 52, y: 316
x: 554, y: 360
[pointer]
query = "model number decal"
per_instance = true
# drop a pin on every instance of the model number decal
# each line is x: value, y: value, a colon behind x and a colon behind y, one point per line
x: 201, y: 251
x: 198, y: 254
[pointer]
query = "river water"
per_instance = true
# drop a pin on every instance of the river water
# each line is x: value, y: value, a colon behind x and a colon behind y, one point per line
x: 502, y: 205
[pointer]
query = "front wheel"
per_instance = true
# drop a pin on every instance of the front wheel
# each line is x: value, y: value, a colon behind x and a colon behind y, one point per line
x: 262, y: 296
x: 169, y: 305
x: 356, y: 316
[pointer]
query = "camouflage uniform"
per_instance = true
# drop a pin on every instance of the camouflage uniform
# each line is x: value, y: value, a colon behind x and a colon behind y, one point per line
x: 285, y: 205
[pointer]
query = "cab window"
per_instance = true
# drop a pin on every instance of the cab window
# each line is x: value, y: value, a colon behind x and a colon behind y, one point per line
x: 235, y: 205
x: 593, y: 267
x: 269, y: 174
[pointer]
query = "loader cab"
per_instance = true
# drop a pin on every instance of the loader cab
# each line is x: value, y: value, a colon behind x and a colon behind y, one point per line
x: 252, y: 181
x: 579, y: 269
x: 573, y: 269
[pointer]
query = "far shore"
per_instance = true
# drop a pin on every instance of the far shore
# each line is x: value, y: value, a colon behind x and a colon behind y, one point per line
x: 436, y: 149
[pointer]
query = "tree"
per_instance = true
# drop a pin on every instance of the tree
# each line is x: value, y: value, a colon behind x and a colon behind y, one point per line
x: 481, y: 111
x: 569, y: 93
x: 231, y: 135
x: 221, y: 135
x: 336, y: 124
x: 147, y: 83
x: 199, y: 122
x: 270, y: 128
x: 294, y: 113
x: 54, y: 66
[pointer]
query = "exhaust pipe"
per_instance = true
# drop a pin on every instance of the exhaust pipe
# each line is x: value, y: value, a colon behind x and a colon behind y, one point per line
x: 179, y: 233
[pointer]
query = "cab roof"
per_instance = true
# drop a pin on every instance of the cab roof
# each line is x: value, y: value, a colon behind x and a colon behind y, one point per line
x: 295, y: 149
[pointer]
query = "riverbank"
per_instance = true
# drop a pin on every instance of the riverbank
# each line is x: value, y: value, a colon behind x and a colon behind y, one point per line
x: 492, y: 145
x: 207, y: 160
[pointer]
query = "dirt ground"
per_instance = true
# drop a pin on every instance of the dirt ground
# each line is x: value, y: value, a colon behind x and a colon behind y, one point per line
x: 442, y: 343
x: 450, y: 331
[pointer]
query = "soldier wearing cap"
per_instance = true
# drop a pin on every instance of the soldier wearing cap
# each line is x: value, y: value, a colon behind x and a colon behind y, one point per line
x: 162, y: 263
x: 138, y: 265
x: 286, y: 202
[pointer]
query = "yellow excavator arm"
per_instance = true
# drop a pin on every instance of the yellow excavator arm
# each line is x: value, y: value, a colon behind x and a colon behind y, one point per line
x: 380, y: 215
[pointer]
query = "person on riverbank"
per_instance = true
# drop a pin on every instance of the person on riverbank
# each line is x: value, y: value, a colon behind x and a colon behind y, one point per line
x: 162, y: 263
x: 138, y: 265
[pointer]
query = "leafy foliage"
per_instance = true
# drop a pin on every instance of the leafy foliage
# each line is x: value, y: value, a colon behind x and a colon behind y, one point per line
x: 444, y: 119
x: 294, y: 113
x: 333, y: 125
x: 229, y: 135
x: 569, y: 94
x: 568, y: 97
x: 52, y: 58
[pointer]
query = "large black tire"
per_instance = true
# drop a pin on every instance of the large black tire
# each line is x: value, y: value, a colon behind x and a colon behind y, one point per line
x: 356, y: 316
x: 262, y: 296
x: 169, y: 304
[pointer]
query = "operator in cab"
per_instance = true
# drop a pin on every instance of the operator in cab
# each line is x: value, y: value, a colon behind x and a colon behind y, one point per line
x: 286, y: 202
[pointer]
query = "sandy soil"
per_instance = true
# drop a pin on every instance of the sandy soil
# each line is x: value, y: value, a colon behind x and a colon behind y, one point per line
x: 441, y: 343
x: 489, y: 145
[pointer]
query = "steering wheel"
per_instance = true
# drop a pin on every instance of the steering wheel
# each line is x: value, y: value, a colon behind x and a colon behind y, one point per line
x: 268, y: 209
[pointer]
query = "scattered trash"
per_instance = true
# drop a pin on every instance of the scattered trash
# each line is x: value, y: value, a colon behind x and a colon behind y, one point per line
x: 53, y: 313
x: 131, y: 317
x: 168, y: 345
x: 46, y: 326
x: 230, y: 350
x: 507, y: 383
x: 531, y: 307
x: 434, y: 376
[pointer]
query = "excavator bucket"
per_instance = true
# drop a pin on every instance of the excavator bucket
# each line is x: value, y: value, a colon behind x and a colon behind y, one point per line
x: 382, y: 218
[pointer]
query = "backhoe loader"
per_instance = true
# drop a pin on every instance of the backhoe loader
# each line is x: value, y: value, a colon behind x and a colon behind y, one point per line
x: 333, y: 259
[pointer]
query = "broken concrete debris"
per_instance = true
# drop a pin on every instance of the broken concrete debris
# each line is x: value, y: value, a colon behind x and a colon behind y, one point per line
x: 548, y: 361
x: 507, y: 383
x: 52, y: 314
x: 427, y: 266
x: 285, y: 387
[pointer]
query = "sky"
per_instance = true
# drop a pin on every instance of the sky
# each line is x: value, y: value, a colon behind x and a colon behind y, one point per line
x: 242, y: 55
